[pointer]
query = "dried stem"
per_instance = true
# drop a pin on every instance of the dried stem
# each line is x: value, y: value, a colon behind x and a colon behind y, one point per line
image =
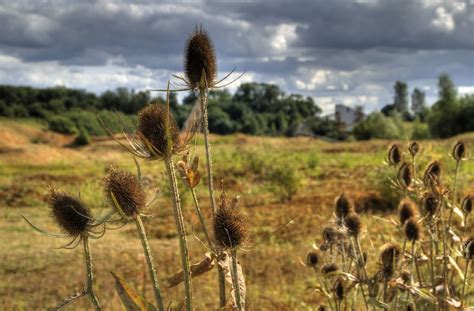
x: 90, y: 273
x: 149, y: 261
x: 201, y: 217
x: 359, y: 260
x: 456, y: 175
x: 235, y: 279
x: 466, y: 271
x: 183, y: 245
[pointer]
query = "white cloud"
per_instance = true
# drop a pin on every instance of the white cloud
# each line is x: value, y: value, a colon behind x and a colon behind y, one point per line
x: 444, y: 20
x: 466, y: 89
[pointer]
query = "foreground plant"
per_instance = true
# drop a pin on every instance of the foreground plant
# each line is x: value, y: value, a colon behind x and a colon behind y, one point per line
x: 76, y: 221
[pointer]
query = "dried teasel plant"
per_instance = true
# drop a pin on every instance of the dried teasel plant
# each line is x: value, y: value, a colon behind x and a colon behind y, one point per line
x: 77, y: 223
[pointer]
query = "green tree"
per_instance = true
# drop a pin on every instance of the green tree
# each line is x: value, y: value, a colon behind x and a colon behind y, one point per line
x: 400, y: 99
x: 418, y: 103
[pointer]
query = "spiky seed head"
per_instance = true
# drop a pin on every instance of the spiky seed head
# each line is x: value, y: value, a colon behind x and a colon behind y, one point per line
x: 69, y: 213
x: 330, y: 235
x: 229, y: 226
x: 344, y: 206
x: 340, y: 289
x: 430, y: 204
x: 394, y: 155
x: 469, y: 248
x: 312, y: 259
x: 405, y: 175
x: 412, y: 229
x: 409, y: 307
x: 467, y: 204
x: 124, y: 187
x: 389, y: 256
x: 322, y: 308
x: 406, y: 210
x: 459, y: 151
x: 353, y: 224
x: 158, y: 130
x: 329, y: 268
x: 433, y: 171
x: 199, y: 57
x: 413, y: 148
x: 406, y: 276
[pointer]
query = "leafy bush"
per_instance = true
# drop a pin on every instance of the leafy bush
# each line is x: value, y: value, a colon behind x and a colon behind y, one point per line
x: 83, y: 138
x: 284, y: 179
x: 62, y: 124
x: 376, y: 125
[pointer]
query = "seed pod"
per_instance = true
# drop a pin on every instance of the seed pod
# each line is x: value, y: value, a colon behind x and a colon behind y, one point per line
x: 353, y: 224
x: 340, y: 289
x: 69, y: 213
x: 343, y: 206
x: 469, y: 248
x: 412, y: 229
x: 389, y: 255
x: 158, y: 130
x: 229, y: 226
x: 433, y: 171
x: 329, y: 268
x: 322, y: 308
x: 312, y: 259
x: 394, y: 155
x: 405, y: 210
x: 123, y: 189
x: 405, y: 175
x: 466, y: 204
x: 406, y: 276
x: 430, y: 204
x: 459, y: 151
x: 330, y: 235
x: 200, y: 57
x: 414, y: 148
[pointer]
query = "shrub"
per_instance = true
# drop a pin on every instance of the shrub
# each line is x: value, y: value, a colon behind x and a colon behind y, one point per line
x: 83, y: 138
x: 62, y: 124
x: 376, y: 125
x: 284, y: 179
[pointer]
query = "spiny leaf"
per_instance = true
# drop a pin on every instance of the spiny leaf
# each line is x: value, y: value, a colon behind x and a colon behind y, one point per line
x: 130, y: 299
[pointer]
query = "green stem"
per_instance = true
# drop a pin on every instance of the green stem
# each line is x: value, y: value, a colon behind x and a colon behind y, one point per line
x: 149, y: 262
x: 203, y: 94
x: 183, y: 245
x: 90, y: 273
x: 235, y: 280
x: 201, y: 217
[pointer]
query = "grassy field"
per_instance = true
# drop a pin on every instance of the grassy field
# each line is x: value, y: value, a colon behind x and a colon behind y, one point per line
x: 36, y: 275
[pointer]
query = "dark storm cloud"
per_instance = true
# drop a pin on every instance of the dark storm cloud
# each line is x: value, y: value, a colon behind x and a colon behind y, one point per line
x: 340, y: 49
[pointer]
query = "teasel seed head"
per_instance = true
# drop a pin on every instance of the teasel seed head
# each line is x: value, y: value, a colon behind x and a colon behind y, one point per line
x: 158, y: 131
x: 330, y: 235
x: 229, y: 225
x: 405, y: 175
x: 312, y: 259
x: 329, y: 268
x: 69, y: 213
x: 199, y: 58
x: 123, y: 189
x: 353, y: 224
x: 340, y: 289
x: 343, y: 206
x: 394, y: 155
x: 459, y: 151
x: 412, y: 229
x: 413, y: 148
x: 389, y: 256
x: 469, y: 248
x: 406, y: 276
x: 430, y: 204
x: 322, y: 308
x: 406, y: 210
x: 466, y: 204
x: 433, y: 171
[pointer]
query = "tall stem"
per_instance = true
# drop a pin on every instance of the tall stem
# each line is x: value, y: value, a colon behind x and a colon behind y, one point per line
x: 90, y: 273
x: 203, y: 94
x: 149, y: 261
x: 235, y: 279
x: 358, y: 254
x: 466, y: 271
x: 201, y: 217
x: 183, y: 245
x: 458, y: 164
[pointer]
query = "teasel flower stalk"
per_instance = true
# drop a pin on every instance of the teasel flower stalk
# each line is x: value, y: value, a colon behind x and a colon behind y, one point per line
x: 75, y: 220
x: 412, y: 233
x: 432, y: 173
x: 394, y: 157
x: 406, y: 210
x: 405, y: 177
x: 124, y: 192
x: 339, y: 290
x: 466, y: 207
x: 468, y: 249
x: 459, y: 154
x: 230, y: 233
x: 414, y: 149
x: 388, y: 258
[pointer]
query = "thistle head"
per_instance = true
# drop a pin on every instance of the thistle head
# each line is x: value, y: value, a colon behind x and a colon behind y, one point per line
x: 412, y: 229
x: 330, y: 235
x: 229, y: 225
x: 468, y: 248
x: 389, y: 256
x: 69, y: 213
x: 405, y: 175
x: 406, y: 210
x: 430, y: 204
x: 459, y: 151
x: 312, y: 259
x: 353, y: 224
x: 340, y: 289
x: 199, y: 59
x: 343, y: 206
x: 466, y: 204
x: 158, y: 131
x: 329, y: 268
x: 124, y: 192
x: 414, y: 148
x: 432, y: 172
x: 394, y: 156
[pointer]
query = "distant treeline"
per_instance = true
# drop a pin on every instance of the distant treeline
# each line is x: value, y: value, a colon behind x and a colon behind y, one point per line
x: 255, y: 108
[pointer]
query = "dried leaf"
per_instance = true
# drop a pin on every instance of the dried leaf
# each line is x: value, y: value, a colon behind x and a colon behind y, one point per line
x: 197, y: 269
x: 130, y: 299
x: 226, y: 264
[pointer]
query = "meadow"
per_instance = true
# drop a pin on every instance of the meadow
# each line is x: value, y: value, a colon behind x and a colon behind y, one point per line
x: 287, y: 188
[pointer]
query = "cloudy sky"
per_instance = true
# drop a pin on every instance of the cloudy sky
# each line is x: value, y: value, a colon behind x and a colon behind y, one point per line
x: 337, y: 51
